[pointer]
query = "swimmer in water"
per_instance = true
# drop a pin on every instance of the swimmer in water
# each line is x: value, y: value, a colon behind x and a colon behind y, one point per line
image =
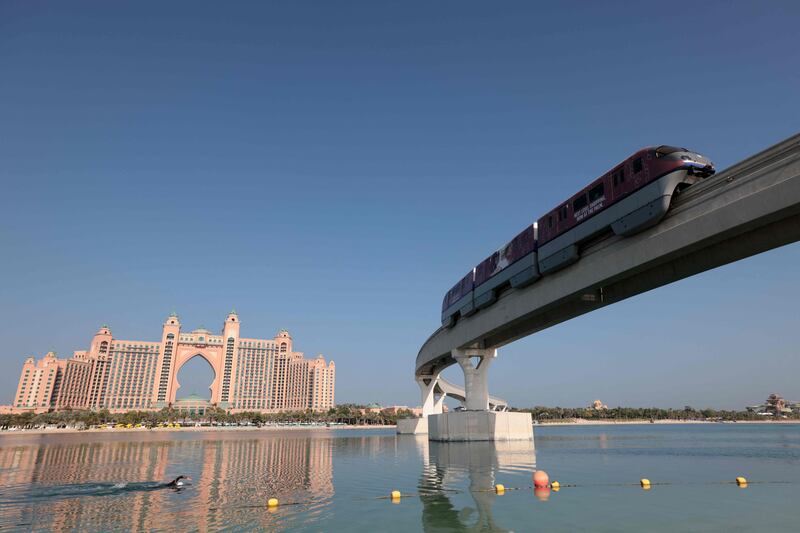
x: 178, y: 482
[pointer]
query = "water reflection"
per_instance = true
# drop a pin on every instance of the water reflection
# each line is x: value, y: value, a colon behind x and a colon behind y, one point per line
x: 104, y: 486
x: 475, y: 464
x: 62, y: 482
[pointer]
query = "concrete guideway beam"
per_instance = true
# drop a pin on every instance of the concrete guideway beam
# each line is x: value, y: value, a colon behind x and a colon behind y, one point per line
x: 476, y: 376
x: 749, y: 208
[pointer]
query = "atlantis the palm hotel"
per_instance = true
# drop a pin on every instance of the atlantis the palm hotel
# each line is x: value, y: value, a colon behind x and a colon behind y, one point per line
x: 264, y: 375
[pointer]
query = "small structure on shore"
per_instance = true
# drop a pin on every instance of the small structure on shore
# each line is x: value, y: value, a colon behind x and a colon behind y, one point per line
x: 775, y: 406
x: 597, y: 405
x: 192, y: 405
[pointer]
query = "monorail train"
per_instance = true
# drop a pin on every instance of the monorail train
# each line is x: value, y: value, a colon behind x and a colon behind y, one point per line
x: 629, y: 198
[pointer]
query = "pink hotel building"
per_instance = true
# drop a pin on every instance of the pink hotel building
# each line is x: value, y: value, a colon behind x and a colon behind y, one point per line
x: 120, y: 375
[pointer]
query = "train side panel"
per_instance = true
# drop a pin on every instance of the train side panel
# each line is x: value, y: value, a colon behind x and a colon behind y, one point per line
x: 515, y: 265
x: 459, y: 300
x: 633, y: 196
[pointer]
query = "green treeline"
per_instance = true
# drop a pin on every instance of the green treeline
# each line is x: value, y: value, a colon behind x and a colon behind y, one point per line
x: 348, y: 414
x: 556, y: 414
x: 341, y: 414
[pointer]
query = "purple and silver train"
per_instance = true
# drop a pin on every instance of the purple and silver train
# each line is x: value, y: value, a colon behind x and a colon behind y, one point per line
x: 632, y: 196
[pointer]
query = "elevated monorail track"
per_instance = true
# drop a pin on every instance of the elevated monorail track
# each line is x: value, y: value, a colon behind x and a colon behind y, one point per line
x: 749, y: 208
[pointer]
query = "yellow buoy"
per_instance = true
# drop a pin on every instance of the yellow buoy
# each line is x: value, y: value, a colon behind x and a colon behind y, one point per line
x: 499, y: 489
x: 645, y: 483
x: 396, y: 495
x: 272, y: 502
x: 555, y: 485
x: 741, y: 481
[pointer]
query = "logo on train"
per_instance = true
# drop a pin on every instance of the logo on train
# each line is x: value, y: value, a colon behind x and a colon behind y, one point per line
x: 590, y: 209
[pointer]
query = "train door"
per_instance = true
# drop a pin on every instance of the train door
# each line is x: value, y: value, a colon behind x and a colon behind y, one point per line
x: 638, y: 171
x: 620, y: 181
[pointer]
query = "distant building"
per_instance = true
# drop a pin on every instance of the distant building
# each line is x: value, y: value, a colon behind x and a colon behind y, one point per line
x: 120, y: 375
x: 375, y: 408
x: 774, y: 406
x: 395, y: 409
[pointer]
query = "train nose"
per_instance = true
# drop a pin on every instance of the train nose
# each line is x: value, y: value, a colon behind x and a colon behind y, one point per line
x: 698, y: 165
x: 707, y: 170
x: 703, y: 168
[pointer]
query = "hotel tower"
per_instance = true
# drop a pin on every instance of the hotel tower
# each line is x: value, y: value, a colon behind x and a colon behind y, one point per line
x: 264, y: 375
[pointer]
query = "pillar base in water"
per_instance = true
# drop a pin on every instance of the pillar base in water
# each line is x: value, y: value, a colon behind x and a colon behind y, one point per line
x: 466, y: 426
x: 412, y: 426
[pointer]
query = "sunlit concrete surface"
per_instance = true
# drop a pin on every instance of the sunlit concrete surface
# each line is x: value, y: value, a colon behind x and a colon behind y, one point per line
x: 466, y: 426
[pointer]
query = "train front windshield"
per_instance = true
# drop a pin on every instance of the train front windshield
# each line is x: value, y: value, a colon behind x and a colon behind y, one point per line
x: 666, y: 150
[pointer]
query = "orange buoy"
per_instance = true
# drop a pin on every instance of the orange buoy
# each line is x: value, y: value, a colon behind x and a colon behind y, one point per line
x: 541, y: 479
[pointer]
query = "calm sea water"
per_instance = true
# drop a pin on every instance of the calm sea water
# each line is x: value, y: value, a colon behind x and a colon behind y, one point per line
x: 339, y: 480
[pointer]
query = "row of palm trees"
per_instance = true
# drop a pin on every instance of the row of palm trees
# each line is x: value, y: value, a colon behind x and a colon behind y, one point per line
x: 341, y: 414
x: 555, y: 414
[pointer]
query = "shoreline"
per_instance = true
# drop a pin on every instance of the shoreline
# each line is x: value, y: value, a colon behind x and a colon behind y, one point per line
x: 585, y: 422
x: 146, y: 431
x: 227, y: 429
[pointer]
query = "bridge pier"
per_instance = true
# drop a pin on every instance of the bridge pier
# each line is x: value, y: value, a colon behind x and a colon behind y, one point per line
x: 476, y: 377
x: 476, y: 422
x: 431, y: 405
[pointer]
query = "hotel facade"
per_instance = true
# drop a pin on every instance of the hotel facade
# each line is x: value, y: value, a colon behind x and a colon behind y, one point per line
x: 264, y: 375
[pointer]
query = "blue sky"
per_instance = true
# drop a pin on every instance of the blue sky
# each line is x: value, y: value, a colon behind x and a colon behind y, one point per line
x: 332, y: 168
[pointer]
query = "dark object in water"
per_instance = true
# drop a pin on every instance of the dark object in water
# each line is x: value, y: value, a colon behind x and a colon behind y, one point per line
x: 178, y: 482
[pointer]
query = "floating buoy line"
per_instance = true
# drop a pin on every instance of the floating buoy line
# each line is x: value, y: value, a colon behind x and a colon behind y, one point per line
x: 541, y: 488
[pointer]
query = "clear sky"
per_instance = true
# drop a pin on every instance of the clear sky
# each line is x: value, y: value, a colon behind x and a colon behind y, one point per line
x: 332, y: 168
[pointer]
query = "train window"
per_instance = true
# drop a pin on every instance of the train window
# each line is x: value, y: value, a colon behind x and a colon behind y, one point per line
x: 579, y: 203
x: 616, y: 179
x: 596, y: 192
x: 665, y: 150
x: 550, y: 221
x: 563, y: 213
x: 637, y: 165
x: 622, y: 175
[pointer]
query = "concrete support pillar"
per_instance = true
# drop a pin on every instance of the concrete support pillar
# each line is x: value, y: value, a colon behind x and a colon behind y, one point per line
x: 427, y: 386
x: 438, y: 405
x: 476, y: 376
